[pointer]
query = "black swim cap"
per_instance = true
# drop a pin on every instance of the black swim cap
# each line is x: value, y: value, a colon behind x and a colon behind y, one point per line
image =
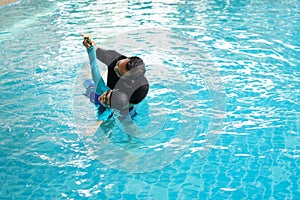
x: 118, y: 100
x: 136, y: 91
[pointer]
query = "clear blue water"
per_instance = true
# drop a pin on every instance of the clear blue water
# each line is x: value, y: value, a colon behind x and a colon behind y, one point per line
x: 221, y: 120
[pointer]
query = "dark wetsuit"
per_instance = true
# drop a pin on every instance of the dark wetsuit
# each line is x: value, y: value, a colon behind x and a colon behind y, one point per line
x: 135, y: 92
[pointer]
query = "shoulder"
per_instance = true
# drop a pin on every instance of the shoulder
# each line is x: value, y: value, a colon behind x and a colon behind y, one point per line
x: 113, y: 63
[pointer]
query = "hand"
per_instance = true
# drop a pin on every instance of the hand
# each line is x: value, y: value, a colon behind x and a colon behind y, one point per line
x: 88, y: 41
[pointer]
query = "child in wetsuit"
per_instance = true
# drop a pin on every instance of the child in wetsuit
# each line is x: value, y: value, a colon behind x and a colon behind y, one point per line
x: 101, y: 95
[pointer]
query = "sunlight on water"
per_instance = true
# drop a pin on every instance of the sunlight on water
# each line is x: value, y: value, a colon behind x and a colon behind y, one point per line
x: 221, y: 120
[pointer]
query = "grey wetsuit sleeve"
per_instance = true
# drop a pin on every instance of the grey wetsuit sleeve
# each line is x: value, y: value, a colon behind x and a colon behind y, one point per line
x: 107, y: 56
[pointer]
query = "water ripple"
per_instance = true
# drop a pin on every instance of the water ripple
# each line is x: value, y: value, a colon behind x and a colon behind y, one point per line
x: 194, y: 51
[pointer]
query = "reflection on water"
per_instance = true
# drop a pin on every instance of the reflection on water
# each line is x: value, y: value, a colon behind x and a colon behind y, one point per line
x: 196, y: 53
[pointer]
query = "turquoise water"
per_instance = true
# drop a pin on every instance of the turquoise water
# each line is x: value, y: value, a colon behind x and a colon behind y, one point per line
x: 221, y: 120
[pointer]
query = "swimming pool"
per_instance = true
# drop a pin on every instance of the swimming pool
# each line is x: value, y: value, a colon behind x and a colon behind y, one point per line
x: 221, y: 120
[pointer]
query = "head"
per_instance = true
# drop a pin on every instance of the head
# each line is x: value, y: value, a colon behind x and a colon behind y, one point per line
x: 132, y: 68
x: 114, y: 99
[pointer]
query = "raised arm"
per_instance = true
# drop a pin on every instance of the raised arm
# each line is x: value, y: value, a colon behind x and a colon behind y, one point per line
x: 97, y: 78
x: 107, y: 56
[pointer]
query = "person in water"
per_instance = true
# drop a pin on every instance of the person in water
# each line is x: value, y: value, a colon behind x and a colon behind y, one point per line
x: 101, y: 95
x: 125, y: 74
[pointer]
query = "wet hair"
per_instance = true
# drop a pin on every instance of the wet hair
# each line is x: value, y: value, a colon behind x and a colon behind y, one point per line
x: 118, y: 100
x: 136, y: 68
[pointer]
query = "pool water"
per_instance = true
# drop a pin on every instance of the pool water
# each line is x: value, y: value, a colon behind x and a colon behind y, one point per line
x: 221, y: 120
